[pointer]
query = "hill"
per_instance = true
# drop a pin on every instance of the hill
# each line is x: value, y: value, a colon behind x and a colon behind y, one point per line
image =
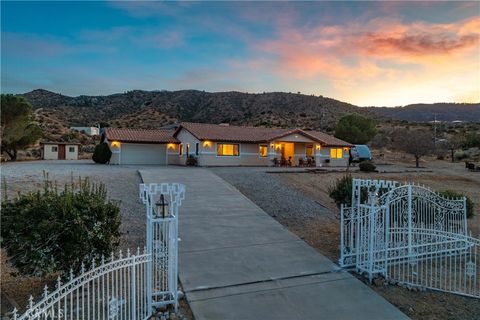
x: 467, y: 112
x: 153, y: 109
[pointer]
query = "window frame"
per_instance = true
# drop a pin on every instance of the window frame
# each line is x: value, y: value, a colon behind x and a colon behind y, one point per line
x: 226, y: 143
x: 180, y: 149
x: 71, y: 149
x: 54, y: 149
x: 337, y: 152
x: 259, y: 152
x: 197, y: 148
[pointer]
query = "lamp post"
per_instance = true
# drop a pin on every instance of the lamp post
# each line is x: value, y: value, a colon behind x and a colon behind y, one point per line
x: 160, y: 206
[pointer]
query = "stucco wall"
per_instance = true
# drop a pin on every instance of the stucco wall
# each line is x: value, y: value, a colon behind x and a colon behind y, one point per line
x: 48, y: 154
x: 325, y: 154
x: 71, y: 155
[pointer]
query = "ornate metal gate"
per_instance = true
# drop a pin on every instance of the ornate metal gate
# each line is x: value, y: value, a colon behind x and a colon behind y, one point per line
x: 124, y: 287
x: 409, y: 235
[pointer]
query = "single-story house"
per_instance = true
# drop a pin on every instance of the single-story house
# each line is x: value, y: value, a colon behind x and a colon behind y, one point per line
x: 59, y: 150
x: 225, y: 145
x: 91, y: 131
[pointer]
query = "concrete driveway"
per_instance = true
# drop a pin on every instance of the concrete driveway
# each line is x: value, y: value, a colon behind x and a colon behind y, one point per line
x: 236, y: 262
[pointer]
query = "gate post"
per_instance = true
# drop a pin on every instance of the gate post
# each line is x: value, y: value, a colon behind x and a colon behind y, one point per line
x: 409, y: 188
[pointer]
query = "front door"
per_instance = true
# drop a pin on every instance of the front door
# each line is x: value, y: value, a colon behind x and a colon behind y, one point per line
x: 61, y: 151
x: 288, y: 153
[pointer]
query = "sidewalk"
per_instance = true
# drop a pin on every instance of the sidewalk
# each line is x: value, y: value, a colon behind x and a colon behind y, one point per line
x: 236, y: 262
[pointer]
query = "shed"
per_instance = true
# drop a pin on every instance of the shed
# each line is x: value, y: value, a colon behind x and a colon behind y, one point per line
x: 59, y: 150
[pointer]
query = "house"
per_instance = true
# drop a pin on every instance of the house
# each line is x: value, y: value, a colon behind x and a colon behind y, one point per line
x: 91, y: 131
x: 59, y: 150
x: 225, y: 145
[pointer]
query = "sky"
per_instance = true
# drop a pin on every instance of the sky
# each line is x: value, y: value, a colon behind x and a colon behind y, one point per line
x: 366, y: 53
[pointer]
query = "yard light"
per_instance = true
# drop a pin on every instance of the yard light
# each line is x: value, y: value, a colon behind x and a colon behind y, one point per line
x: 160, y: 206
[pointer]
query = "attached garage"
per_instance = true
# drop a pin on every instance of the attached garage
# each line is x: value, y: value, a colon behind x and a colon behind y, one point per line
x: 137, y: 146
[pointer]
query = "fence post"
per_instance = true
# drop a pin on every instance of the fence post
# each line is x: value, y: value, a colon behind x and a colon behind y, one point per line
x: 133, y: 278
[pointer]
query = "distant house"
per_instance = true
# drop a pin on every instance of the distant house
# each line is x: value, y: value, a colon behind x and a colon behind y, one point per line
x: 91, y: 131
x: 224, y: 145
x: 59, y: 150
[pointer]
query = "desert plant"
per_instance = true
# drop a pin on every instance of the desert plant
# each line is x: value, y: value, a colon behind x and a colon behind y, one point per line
x: 191, y: 161
x: 367, y: 166
x: 417, y: 143
x: 52, y: 231
x: 102, y: 153
x: 458, y: 194
x: 341, y: 190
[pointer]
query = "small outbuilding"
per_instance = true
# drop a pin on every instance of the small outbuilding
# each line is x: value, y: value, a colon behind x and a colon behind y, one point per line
x: 60, y: 150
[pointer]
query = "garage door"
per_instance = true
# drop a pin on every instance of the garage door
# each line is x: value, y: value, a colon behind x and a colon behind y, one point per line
x: 135, y: 153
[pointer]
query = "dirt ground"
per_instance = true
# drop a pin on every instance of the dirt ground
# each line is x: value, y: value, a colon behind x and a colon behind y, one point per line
x: 323, y: 233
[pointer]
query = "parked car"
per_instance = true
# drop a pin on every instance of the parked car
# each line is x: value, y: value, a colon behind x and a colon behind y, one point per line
x: 360, y: 152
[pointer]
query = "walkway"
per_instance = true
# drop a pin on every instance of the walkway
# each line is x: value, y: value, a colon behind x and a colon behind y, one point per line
x: 236, y: 262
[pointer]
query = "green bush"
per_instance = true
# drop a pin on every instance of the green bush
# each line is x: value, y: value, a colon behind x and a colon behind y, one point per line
x: 191, y: 161
x: 458, y: 194
x: 102, y: 153
x: 367, y: 166
x: 341, y: 190
x: 459, y: 155
x: 52, y: 231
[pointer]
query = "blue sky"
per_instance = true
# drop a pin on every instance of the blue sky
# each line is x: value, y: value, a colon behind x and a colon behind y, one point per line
x: 366, y: 53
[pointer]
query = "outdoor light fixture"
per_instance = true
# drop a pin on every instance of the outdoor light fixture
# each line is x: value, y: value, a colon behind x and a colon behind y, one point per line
x: 272, y: 145
x: 170, y: 146
x: 207, y: 143
x: 115, y: 144
x: 318, y: 147
x: 160, y: 206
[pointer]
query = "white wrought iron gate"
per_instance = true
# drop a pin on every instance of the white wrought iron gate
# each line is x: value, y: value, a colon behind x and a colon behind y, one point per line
x: 127, y: 286
x: 410, y: 235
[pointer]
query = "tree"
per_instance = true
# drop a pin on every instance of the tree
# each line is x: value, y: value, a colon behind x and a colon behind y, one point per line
x: 355, y: 129
x: 18, y: 128
x: 415, y: 142
x: 102, y: 153
x: 52, y: 231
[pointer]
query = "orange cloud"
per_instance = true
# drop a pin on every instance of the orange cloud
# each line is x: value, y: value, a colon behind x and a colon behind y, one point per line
x: 384, y: 61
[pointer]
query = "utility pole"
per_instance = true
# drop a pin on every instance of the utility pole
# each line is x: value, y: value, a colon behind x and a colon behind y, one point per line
x: 434, y: 132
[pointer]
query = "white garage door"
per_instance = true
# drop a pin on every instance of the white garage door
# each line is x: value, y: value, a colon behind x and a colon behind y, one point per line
x: 135, y: 153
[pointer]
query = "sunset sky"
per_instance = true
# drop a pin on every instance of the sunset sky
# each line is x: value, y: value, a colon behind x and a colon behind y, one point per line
x: 366, y: 53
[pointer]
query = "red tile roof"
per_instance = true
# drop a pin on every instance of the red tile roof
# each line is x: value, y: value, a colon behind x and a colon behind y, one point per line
x: 227, y: 133
x: 140, y: 135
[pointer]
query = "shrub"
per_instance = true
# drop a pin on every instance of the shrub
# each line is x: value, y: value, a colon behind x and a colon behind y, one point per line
x: 52, y: 231
x: 102, y: 153
x: 367, y: 166
x: 458, y: 194
x: 341, y: 190
x: 191, y: 161
x: 459, y: 155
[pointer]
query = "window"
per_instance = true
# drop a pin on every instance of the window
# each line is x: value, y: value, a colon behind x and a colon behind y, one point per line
x: 71, y: 149
x: 180, y: 149
x: 263, y: 150
x: 336, y: 153
x: 188, y: 150
x: 54, y: 149
x: 197, y: 146
x: 224, y: 149
x: 309, y: 150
